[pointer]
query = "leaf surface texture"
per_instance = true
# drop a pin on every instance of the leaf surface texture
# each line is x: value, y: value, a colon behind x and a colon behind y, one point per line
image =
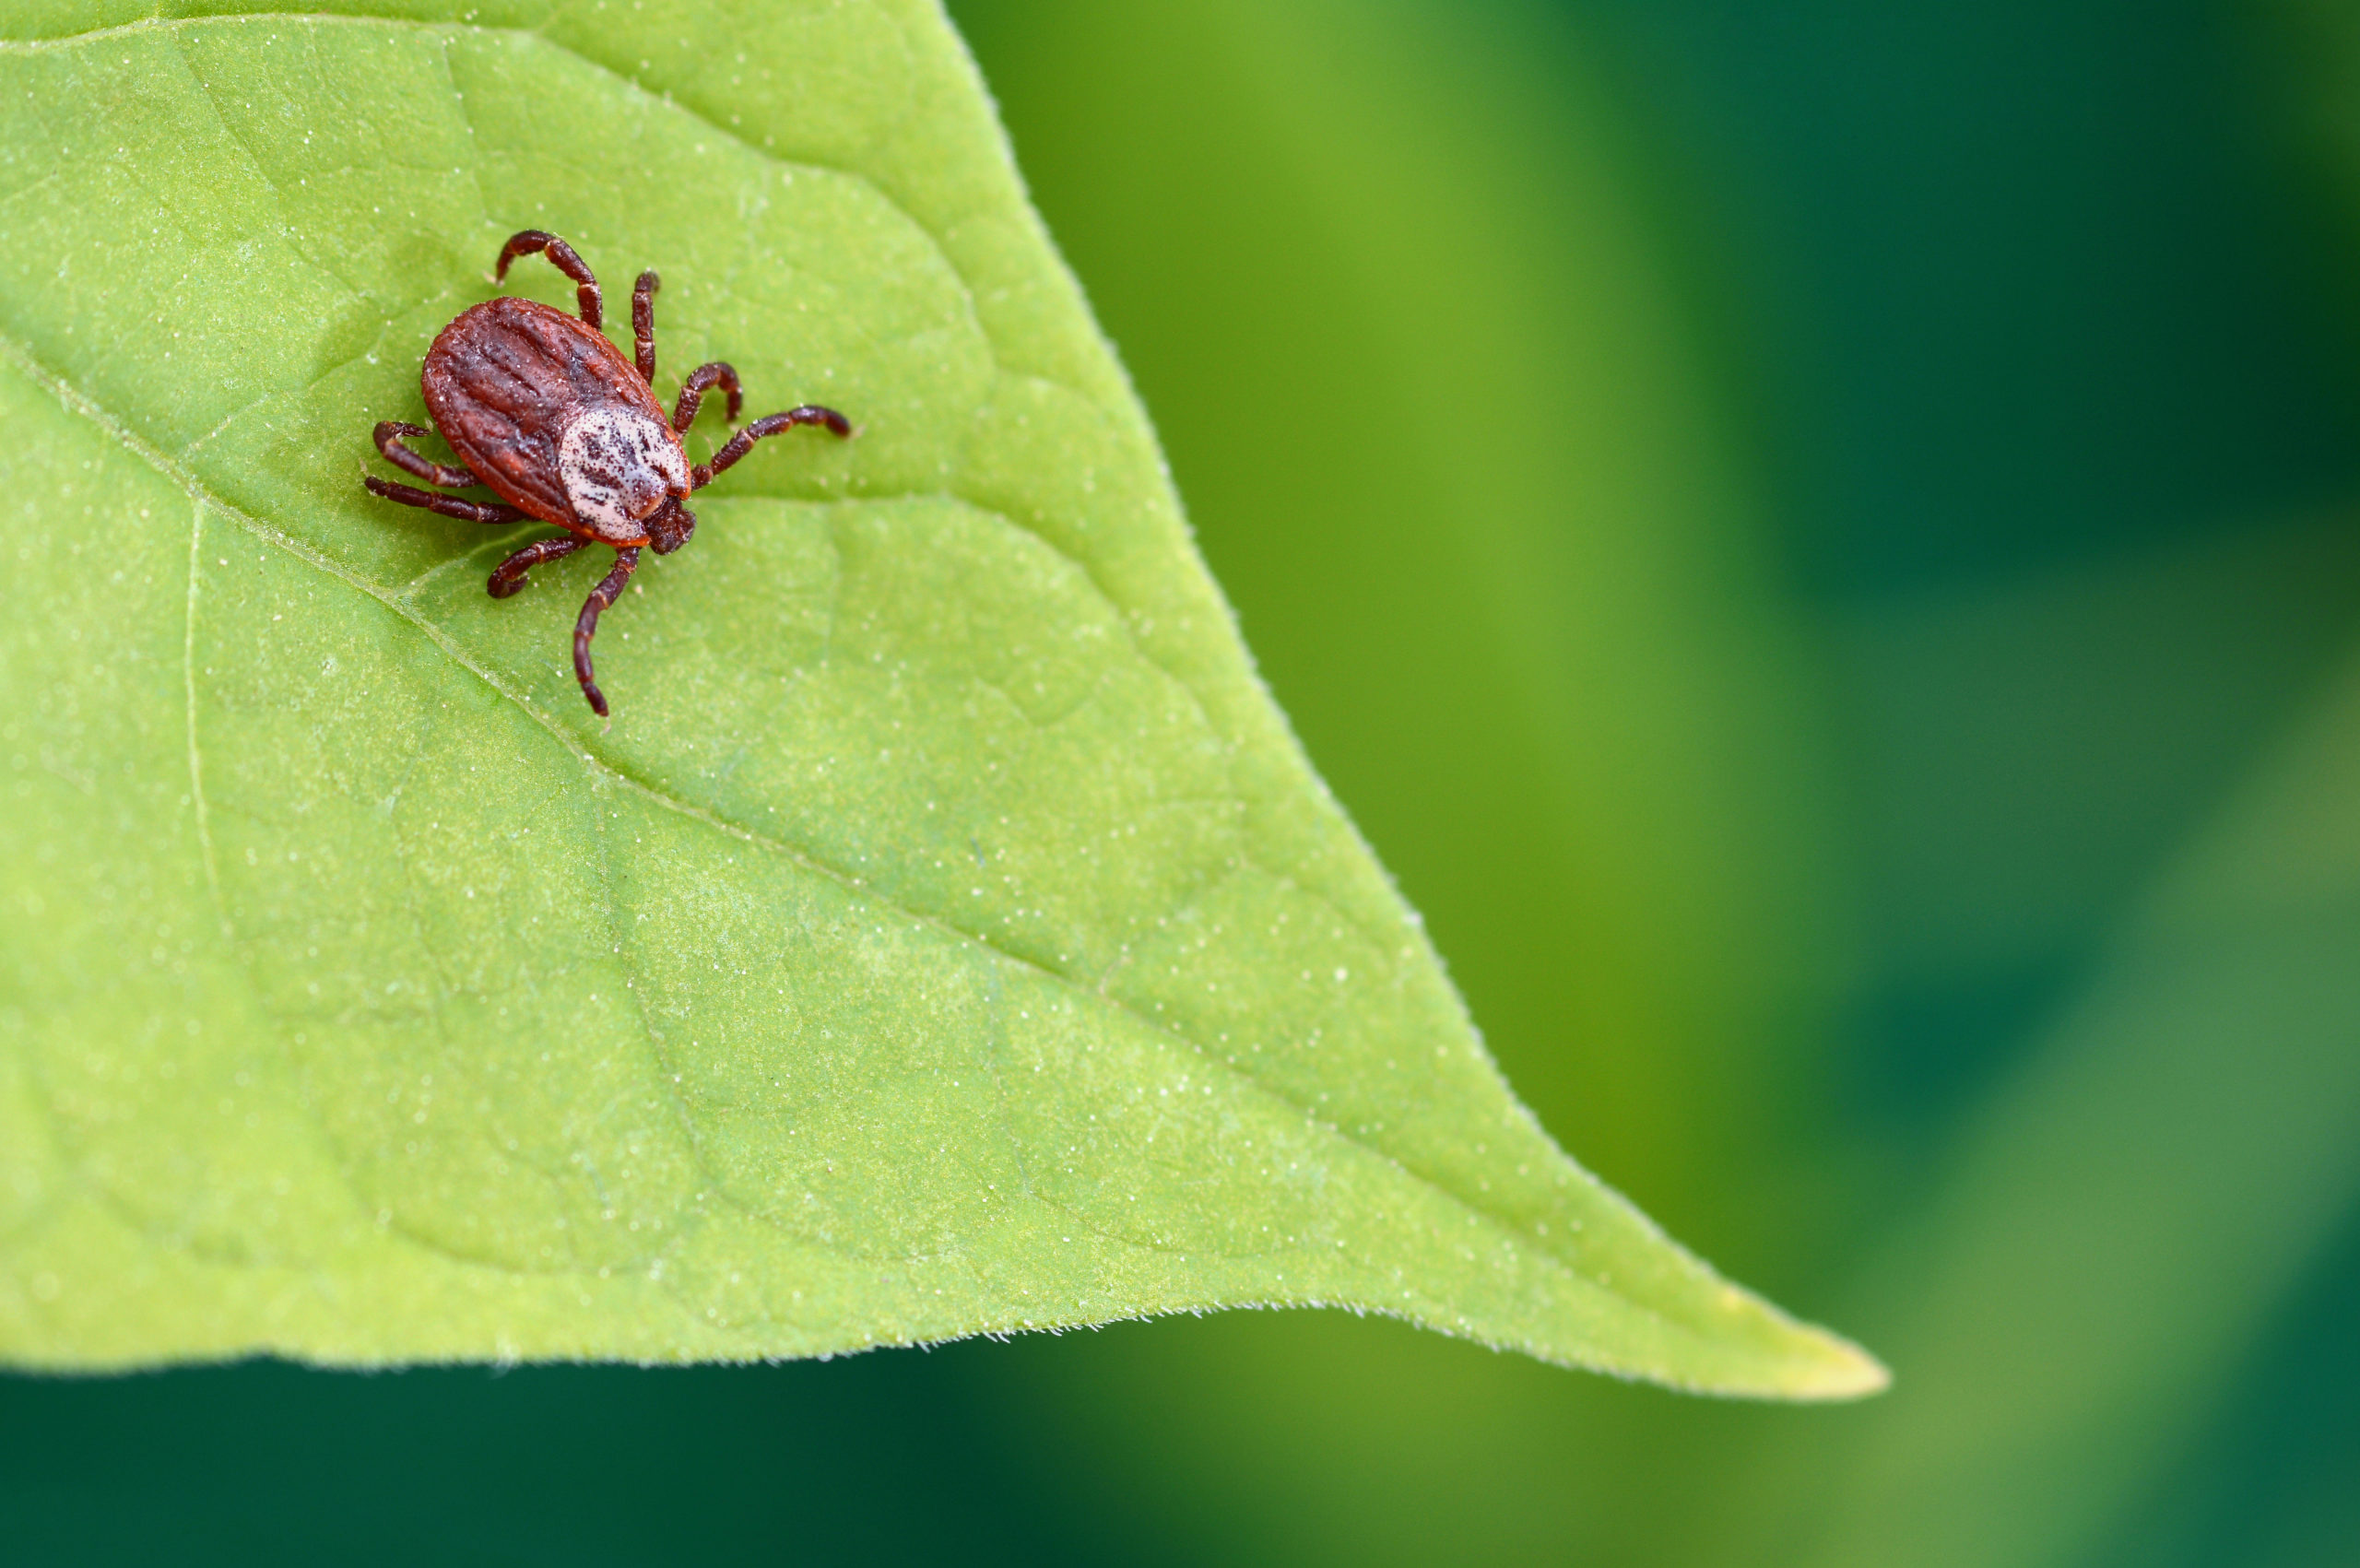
x: 947, y: 937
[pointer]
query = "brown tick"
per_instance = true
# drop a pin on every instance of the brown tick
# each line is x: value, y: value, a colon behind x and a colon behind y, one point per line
x: 543, y: 410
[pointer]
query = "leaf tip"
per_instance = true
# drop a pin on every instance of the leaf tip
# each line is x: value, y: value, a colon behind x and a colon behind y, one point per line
x: 1835, y: 1369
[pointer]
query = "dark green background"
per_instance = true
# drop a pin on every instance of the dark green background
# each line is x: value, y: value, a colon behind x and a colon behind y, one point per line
x: 1781, y: 523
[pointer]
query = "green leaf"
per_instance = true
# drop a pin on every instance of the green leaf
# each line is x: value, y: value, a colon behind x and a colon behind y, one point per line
x: 946, y: 938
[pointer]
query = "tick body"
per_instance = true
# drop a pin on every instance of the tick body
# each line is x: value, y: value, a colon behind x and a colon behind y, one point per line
x: 541, y: 408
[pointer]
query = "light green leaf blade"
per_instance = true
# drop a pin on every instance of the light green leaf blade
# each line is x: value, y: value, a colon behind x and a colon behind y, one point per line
x: 947, y: 937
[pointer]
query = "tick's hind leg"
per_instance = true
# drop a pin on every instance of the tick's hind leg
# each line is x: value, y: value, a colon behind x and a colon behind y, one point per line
x: 388, y: 437
x: 768, y: 425
x: 448, y: 505
x: 611, y: 585
x: 508, y: 577
x: 718, y: 373
x: 526, y: 242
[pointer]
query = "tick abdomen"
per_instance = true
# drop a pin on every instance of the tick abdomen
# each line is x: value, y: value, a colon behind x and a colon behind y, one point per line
x: 511, y: 381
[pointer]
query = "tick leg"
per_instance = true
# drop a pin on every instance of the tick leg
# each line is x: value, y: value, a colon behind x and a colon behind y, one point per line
x: 643, y: 323
x: 768, y: 425
x: 508, y: 577
x: 448, y: 505
x: 388, y: 437
x: 561, y: 257
x: 720, y: 374
x: 626, y: 562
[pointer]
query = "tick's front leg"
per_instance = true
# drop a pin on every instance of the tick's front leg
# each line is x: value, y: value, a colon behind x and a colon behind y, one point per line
x: 736, y: 446
x: 643, y: 323
x: 611, y: 585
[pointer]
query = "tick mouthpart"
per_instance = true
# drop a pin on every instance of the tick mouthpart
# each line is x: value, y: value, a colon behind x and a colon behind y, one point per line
x: 669, y: 526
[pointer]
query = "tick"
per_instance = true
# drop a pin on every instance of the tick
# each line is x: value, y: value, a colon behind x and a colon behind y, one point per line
x: 543, y: 410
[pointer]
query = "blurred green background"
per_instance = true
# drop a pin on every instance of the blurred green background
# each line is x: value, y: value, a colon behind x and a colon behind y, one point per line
x: 1822, y: 543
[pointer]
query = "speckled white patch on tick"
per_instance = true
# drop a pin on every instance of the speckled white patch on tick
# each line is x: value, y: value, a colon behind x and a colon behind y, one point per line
x: 617, y: 465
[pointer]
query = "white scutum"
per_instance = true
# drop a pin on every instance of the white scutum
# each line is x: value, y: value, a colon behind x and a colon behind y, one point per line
x: 617, y: 465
